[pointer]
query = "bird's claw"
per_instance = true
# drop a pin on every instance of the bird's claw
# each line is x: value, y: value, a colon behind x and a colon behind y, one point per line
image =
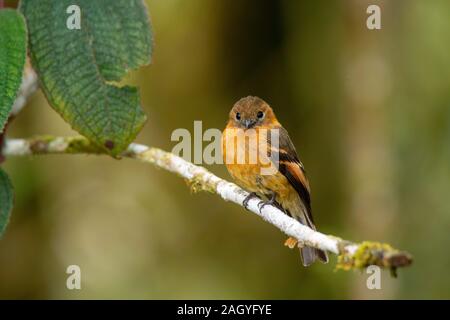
x: 271, y: 202
x: 247, y: 199
x: 262, y: 204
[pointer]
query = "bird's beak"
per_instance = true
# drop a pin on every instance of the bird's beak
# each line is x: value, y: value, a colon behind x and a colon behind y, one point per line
x: 248, y: 123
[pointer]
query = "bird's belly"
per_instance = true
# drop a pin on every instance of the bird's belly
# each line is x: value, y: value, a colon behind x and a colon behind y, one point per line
x: 250, y: 178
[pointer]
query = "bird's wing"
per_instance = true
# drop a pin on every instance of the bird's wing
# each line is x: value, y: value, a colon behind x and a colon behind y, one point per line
x: 291, y: 167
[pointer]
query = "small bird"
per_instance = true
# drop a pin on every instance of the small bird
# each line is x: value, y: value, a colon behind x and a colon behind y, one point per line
x: 287, y: 187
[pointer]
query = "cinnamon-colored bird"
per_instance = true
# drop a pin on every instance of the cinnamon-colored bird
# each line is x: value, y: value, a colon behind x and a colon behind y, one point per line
x: 287, y: 186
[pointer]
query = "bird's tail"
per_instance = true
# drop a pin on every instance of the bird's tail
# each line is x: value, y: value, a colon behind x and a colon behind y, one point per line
x: 309, y: 255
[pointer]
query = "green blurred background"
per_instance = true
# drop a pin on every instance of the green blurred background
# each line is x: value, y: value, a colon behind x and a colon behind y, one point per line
x: 369, y: 112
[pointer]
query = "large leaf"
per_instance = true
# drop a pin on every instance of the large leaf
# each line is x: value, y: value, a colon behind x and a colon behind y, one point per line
x: 6, y: 200
x: 12, y: 59
x: 76, y: 67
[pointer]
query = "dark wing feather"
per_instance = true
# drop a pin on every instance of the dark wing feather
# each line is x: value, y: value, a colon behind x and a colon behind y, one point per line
x: 291, y: 167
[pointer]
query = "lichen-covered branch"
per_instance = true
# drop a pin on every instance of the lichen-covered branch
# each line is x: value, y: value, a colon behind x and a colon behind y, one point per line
x: 27, y: 88
x: 351, y: 255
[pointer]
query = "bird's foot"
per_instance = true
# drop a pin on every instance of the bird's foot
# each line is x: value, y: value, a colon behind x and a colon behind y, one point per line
x: 291, y: 243
x: 247, y: 199
x: 262, y: 204
x: 271, y: 201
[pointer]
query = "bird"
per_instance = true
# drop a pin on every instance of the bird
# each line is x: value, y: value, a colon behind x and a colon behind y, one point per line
x: 287, y: 187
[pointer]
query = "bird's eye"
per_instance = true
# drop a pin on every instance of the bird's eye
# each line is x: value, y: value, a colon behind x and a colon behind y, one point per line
x: 260, y: 114
x: 238, y: 116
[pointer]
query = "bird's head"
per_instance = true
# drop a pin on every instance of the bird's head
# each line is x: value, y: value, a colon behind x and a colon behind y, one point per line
x: 252, y: 112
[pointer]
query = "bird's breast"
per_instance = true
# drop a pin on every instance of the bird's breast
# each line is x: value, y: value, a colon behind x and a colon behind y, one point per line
x: 246, y: 157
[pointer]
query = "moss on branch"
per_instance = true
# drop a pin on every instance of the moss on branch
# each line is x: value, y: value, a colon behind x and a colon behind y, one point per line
x: 373, y: 253
x: 67, y: 145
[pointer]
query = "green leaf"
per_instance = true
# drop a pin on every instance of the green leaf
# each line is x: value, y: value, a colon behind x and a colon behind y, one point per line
x: 6, y: 200
x: 13, y: 41
x: 76, y: 67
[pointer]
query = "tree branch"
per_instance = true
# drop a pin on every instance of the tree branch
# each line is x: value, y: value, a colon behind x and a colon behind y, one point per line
x: 27, y: 88
x: 351, y: 255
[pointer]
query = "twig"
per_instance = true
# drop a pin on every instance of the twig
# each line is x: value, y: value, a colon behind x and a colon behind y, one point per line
x: 27, y: 88
x: 351, y: 255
